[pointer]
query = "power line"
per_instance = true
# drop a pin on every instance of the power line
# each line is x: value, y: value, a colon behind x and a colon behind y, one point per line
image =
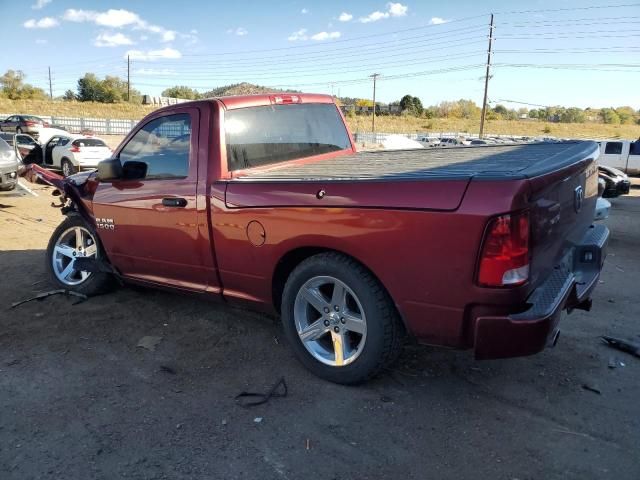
x: 571, y: 9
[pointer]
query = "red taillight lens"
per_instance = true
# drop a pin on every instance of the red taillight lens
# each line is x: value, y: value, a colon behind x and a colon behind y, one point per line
x: 29, y: 123
x: 505, y: 251
x: 75, y: 149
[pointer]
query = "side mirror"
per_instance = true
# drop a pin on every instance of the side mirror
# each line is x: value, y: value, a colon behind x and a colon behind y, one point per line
x: 133, y: 170
x: 109, y: 170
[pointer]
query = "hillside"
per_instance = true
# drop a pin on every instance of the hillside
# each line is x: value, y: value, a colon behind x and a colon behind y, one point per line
x: 243, y: 88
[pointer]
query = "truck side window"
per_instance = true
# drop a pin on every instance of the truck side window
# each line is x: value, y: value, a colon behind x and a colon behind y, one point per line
x: 634, y: 148
x: 613, y: 148
x: 164, y: 145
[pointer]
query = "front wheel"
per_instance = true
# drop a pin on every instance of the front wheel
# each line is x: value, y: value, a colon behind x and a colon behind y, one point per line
x: 74, y: 239
x: 340, y: 321
x: 67, y: 168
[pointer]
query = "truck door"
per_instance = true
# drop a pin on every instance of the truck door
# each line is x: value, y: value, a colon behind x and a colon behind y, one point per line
x: 611, y: 155
x: 633, y: 161
x: 152, y: 224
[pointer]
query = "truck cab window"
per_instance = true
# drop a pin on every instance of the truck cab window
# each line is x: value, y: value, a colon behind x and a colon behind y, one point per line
x: 164, y: 145
x: 258, y: 136
x: 613, y: 148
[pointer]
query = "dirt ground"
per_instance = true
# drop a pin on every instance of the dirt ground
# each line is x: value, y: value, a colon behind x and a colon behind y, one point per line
x: 79, y: 400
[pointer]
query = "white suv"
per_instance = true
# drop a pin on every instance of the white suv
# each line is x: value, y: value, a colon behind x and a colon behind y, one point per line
x: 72, y: 153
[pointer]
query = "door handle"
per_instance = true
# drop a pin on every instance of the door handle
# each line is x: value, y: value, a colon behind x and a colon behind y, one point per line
x: 174, y: 202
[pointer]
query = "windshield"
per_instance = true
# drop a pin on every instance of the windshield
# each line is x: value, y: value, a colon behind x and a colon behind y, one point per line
x: 89, y: 142
x: 7, y: 137
x: 257, y: 136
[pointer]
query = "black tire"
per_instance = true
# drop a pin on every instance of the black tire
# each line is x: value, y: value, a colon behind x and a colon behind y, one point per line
x: 97, y: 282
x: 70, y: 168
x: 384, y: 329
x: 8, y: 189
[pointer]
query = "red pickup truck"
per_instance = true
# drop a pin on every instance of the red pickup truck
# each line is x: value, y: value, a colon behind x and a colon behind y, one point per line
x: 264, y: 201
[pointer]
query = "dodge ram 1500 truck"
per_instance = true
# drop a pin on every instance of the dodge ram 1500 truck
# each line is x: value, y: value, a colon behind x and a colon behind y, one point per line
x: 264, y: 201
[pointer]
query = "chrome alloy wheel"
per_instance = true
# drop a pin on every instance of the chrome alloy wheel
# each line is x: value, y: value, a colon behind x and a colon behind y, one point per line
x: 73, y: 243
x: 330, y: 321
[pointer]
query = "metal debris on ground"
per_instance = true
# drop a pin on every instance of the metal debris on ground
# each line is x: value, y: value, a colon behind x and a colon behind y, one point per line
x: 623, y: 345
x: 279, y: 389
x: 591, y: 388
x: 44, y: 295
x: 149, y: 342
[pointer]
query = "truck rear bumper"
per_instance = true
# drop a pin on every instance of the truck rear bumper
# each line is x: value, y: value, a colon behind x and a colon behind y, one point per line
x: 567, y: 288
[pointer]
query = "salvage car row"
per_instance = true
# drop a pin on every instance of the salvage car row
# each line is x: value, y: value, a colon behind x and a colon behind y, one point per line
x: 55, y: 149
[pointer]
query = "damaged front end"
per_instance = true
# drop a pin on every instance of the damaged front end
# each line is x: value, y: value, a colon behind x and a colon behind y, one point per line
x: 75, y: 192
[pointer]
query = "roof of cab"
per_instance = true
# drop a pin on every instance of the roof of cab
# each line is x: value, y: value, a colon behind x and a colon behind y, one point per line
x: 243, y: 101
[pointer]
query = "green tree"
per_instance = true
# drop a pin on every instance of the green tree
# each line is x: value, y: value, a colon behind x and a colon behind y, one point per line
x: 572, y: 115
x: 609, y: 115
x: 69, y: 96
x: 626, y: 114
x: 181, y: 91
x: 110, y: 90
x: 501, y: 110
x: 12, y: 86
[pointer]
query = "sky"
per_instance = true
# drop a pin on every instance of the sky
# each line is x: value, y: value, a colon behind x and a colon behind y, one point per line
x: 546, y: 52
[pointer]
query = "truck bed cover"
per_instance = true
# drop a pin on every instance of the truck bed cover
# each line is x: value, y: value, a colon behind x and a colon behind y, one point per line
x: 482, y: 162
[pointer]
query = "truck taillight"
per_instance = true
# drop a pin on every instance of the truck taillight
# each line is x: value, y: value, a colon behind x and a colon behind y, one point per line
x: 504, y: 260
x: 280, y: 99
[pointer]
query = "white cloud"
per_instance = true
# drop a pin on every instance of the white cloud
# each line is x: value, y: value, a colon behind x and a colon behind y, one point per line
x: 118, y: 18
x: 304, y: 11
x: 41, y: 41
x: 437, y: 21
x: 240, y: 31
x: 40, y: 4
x: 45, y: 22
x: 170, y: 53
x: 144, y: 38
x: 73, y: 15
x: 374, y: 17
x: 393, y: 10
x: 345, y: 17
x: 397, y: 9
x: 112, y: 40
x: 155, y: 71
x: 299, y: 35
x: 193, y: 32
x: 320, y: 36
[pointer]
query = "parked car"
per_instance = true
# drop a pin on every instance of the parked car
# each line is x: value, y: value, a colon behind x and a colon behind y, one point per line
x: 9, y: 166
x: 616, y: 182
x: 73, y: 153
x: 429, y: 141
x: 271, y: 206
x: 450, y: 142
x: 23, y: 124
x: 621, y: 154
x: 27, y: 149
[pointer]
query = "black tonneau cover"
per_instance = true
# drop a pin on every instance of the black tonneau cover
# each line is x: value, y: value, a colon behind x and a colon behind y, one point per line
x: 482, y: 162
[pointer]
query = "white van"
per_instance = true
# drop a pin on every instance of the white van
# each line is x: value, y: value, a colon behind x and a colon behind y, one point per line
x: 621, y: 154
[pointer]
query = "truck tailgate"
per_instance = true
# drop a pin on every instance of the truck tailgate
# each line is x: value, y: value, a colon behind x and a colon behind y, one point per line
x: 563, y: 208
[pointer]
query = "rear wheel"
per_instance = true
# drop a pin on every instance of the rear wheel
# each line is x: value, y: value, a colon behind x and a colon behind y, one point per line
x: 68, y: 168
x: 339, y: 320
x: 9, y: 188
x: 74, y: 239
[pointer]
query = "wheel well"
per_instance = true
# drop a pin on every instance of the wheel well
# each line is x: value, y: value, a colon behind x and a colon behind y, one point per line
x: 292, y: 259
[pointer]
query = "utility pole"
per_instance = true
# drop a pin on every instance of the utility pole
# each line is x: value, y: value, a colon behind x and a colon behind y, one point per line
x: 373, y: 118
x: 50, y: 87
x: 128, y: 79
x: 486, y: 79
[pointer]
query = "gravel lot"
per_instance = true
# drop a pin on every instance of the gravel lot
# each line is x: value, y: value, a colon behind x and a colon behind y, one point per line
x: 79, y: 400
